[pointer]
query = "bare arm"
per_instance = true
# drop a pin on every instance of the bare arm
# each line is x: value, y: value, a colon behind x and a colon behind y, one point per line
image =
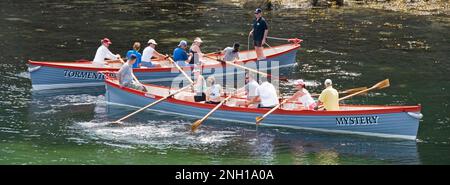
x: 160, y: 56
x: 256, y: 99
x: 265, y: 36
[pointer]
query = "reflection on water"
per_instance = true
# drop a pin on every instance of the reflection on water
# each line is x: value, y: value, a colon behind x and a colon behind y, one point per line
x: 353, y: 47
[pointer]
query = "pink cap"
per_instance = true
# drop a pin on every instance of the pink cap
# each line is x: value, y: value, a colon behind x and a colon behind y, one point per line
x: 106, y: 40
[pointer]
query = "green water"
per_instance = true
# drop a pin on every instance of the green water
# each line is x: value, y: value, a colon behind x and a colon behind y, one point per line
x: 354, y: 47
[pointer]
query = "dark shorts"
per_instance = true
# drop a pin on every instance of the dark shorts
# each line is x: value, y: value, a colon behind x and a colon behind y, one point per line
x: 257, y: 43
x: 200, y: 98
x: 212, y: 102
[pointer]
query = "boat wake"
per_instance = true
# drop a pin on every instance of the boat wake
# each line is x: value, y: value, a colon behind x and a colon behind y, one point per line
x: 159, y: 134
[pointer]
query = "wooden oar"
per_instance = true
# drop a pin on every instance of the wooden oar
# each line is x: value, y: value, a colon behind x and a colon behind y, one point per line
x: 380, y: 85
x: 348, y: 91
x: 200, y: 121
x: 181, y: 70
x: 153, y: 103
x: 246, y: 68
x: 260, y: 118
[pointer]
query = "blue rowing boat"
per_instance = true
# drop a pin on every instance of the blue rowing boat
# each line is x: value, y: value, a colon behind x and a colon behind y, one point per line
x: 54, y: 75
x: 370, y: 120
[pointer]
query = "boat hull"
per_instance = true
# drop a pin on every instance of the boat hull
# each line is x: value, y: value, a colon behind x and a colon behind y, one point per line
x: 51, y: 75
x: 389, y: 123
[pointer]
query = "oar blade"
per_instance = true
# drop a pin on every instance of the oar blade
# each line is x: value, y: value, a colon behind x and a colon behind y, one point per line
x: 258, y: 119
x: 383, y: 84
x: 196, y: 125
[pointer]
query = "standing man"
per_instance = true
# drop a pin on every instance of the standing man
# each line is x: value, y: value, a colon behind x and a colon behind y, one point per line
x: 329, y: 97
x: 259, y: 32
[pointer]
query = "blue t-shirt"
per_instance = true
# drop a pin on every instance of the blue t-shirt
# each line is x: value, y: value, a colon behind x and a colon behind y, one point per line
x: 138, y: 59
x: 179, y: 54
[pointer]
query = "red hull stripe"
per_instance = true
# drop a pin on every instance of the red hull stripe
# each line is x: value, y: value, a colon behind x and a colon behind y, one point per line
x: 383, y: 110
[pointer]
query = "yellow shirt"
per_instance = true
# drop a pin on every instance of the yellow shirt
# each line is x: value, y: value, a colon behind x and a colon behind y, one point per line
x: 330, y: 98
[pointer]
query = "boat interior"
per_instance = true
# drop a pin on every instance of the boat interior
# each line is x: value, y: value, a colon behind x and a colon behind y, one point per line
x: 239, y: 100
x: 210, y: 60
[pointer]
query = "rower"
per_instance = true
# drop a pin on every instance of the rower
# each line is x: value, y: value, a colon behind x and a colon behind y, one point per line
x: 302, y: 95
x: 266, y: 95
x: 214, y: 91
x: 103, y: 52
x: 199, y: 86
x: 126, y: 76
x: 249, y: 90
x: 149, y: 52
x: 329, y: 97
x: 179, y: 54
x: 231, y: 53
x: 195, y: 51
x: 135, y: 51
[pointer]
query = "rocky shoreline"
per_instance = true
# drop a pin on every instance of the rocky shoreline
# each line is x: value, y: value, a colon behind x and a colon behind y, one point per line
x: 417, y: 7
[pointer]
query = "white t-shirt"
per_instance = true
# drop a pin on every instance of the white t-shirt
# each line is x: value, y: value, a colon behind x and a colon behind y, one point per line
x: 147, y: 54
x: 229, y: 55
x: 268, y: 94
x: 102, y: 53
x: 306, y: 99
x: 251, y: 88
x: 214, y: 91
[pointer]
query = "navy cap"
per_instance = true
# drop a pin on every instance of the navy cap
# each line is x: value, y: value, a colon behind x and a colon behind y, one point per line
x: 258, y: 10
x: 133, y: 56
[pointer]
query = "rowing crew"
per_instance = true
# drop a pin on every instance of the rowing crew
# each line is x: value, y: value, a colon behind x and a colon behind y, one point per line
x: 265, y: 95
x: 149, y: 54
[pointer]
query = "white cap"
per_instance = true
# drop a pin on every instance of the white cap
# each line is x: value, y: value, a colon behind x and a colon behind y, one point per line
x: 182, y: 43
x: 299, y: 82
x: 328, y: 82
x: 198, y: 39
x: 151, y: 41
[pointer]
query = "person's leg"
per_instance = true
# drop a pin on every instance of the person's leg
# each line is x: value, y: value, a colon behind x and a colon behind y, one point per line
x: 259, y: 50
x: 260, y: 53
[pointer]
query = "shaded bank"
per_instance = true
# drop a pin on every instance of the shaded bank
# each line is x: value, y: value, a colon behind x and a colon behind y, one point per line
x: 417, y: 7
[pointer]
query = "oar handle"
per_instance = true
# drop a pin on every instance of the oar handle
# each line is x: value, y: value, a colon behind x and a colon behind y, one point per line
x: 181, y: 70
